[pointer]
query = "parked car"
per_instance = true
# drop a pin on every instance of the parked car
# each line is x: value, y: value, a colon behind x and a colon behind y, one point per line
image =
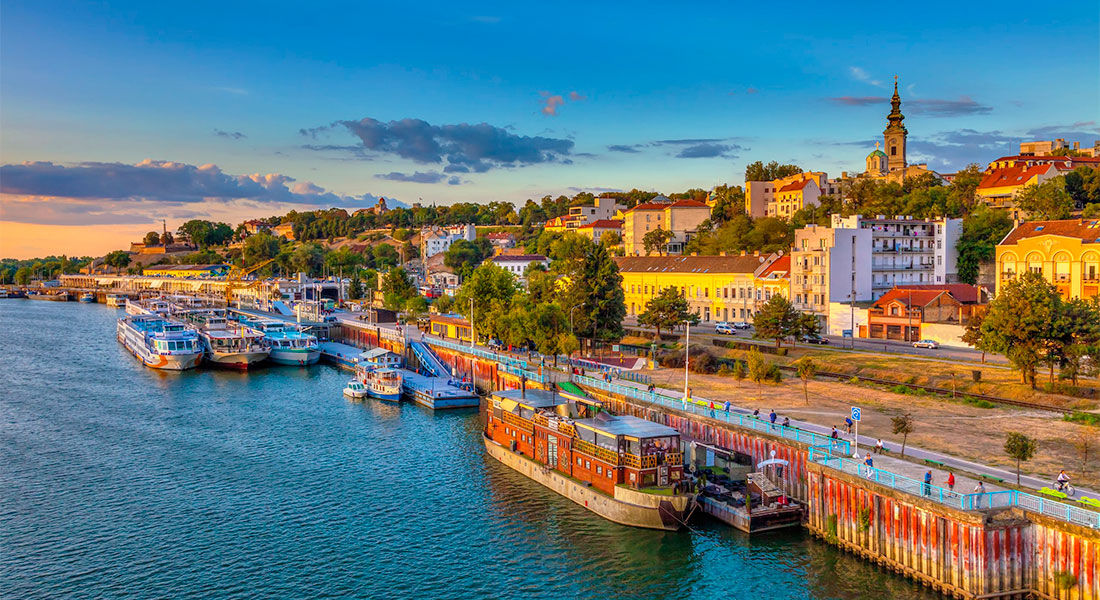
x: 813, y: 339
x: 930, y: 344
x: 725, y: 329
x: 741, y: 325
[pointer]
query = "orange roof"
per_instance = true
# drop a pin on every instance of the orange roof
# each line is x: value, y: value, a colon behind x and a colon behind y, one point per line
x: 963, y: 292
x: 603, y: 224
x: 555, y: 222
x: 1086, y: 230
x: 910, y: 297
x: 794, y: 186
x: 781, y: 265
x: 1012, y: 176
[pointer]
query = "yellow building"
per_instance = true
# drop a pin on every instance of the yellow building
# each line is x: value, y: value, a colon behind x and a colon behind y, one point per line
x: 597, y: 229
x: 557, y: 224
x: 1066, y: 253
x: 1000, y: 186
x: 185, y: 271
x: 682, y: 218
x: 717, y: 288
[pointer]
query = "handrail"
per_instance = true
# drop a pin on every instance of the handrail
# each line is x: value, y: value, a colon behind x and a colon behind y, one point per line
x: 504, y: 362
x: 701, y: 407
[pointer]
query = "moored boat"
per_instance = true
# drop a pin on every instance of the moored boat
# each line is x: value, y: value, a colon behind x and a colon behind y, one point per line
x: 160, y: 343
x: 287, y: 344
x: 228, y: 344
x: 623, y: 468
x: 49, y: 296
x: 382, y: 383
x: 355, y: 389
x: 87, y: 298
x: 115, y: 300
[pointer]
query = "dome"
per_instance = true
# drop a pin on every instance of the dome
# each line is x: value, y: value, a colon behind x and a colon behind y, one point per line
x: 877, y: 152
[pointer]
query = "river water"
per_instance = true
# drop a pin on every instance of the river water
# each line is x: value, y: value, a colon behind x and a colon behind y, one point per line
x: 118, y: 481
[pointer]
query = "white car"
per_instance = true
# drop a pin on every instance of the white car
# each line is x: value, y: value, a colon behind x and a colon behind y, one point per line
x: 741, y: 325
x: 725, y: 328
x: 930, y: 344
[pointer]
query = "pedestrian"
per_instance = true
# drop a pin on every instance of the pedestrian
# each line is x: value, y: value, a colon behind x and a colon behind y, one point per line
x: 878, y: 446
x: 727, y: 407
x: 951, y: 481
x: 848, y: 424
x: 835, y: 434
x: 928, y: 483
x: 870, y: 467
x: 786, y: 421
x: 979, y: 490
x: 772, y: 416
x: 756, y: 414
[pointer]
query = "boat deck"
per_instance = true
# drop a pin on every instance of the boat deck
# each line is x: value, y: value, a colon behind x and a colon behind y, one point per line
x: 341, y: 354
x: 435, y: 392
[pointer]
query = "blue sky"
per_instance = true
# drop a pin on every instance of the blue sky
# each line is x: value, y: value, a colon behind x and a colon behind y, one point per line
x: 364, y: 100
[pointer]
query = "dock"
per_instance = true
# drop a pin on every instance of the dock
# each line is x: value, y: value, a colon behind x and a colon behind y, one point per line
x: 436, y: 392
x: 343, y: 355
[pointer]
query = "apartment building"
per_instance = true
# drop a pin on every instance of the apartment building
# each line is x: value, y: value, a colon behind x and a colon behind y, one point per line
x: 785, y: 196
x: 908, y: 251
x: 682, y: 218
x: 829, y: 265
x: 439, y: 239
x: 1066, y: 253
x: 717, y: 288
x: 1049, y: 147
x: 1001, y: 185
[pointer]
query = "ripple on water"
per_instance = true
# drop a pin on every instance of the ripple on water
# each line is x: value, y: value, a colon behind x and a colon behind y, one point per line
x: 117, y: 481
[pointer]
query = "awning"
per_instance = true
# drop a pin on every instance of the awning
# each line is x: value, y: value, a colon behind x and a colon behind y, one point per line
x: 508, y: 405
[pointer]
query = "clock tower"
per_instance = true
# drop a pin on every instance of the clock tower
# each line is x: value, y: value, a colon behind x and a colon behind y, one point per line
x: 895, y: 133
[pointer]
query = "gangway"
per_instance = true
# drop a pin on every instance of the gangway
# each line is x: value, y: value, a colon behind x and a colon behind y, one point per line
x: 429, y: 361
x: 281, y: 308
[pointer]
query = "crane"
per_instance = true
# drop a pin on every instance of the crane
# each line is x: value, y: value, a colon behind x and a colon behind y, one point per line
x: 236, y: 275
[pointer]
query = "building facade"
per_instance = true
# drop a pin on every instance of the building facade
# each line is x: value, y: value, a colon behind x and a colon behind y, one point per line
x: 1066, y: 253
x: 785, y: 196
x: 597, y: 229
x: 908, y: 251
x: 828, y: 266
x: 1001, y: 185
x: 439, y: 239
x: 717, y: 288
x: 682, y: 218
x: 517, y: 264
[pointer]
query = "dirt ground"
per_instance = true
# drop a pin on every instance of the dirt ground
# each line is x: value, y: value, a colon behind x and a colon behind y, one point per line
x: 954, y: 428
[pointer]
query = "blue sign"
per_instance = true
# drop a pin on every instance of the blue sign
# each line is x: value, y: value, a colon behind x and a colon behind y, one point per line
x: 846, y: 333
x: 856, y: 413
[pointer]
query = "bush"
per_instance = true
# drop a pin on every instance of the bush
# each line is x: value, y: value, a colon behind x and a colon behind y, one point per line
x: 724, y: 370
x: 781, y: 351
x: 1084, y: 418
x: 774, y: 374
x: 702, y: 363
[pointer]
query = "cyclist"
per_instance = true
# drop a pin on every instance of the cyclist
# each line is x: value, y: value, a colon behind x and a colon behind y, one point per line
x: 1062, y: 480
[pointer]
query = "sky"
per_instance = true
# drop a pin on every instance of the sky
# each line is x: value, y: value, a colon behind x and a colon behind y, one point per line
x: 116, y: 115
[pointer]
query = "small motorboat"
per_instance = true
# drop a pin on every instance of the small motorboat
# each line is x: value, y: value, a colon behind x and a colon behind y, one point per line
x: 355, y: 389
x: 87, y: 297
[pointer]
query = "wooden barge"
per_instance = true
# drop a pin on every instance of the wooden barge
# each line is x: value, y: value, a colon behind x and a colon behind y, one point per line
x: 623, y: 468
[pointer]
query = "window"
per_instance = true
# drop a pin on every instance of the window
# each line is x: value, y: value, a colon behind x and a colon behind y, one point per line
x: 588, y: 464
x: 609, y: 473
x: 893, y: 150
x: 599, y: 470
x: 580, y: 463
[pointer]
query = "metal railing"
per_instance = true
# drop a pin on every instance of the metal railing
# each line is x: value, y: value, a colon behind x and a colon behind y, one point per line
x: 965, y: 501
x: 702, y: 408
x: 505, y: 363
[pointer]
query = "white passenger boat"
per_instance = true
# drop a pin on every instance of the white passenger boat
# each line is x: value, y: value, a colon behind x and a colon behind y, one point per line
x: 382, y: 383
x: 148, y: 306
x: 87, y: 298
x: 160, y: 343
x: 115, y: 300
x: 226, y: 343
x: 288, y: 344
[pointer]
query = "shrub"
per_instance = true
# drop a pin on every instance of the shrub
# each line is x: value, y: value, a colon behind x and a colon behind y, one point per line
x: 865, y: 518
x: 1084, y: 418
x: 854, y: 381
x: 724, y: 370
x: 774, y: 374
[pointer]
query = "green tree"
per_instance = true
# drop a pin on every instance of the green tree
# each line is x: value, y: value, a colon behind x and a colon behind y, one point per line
x: 902, y: 425
x: 596, y: 285
x: 308, y: 259
x: 119, y: 259
x: 657, y: 240
x: 355, y: 287
x: 1020, y: 448
x: 983, y: 229
x: 343, y: 260
x: 23, y: 275
x: 807, y: 368
x: 152, y: 239
x: 1020, y: 322
x: 758, y: 171
x: 463, y: 256
x: 1046, y: 201
x: 488, y: 292
x: 385, y: 256
x: 776, y: 319
x: 258, y: 248
x: 972, y: 333
x: 807, y: 326
x: 758, y: 366
x: 738, y: 371
x: 611, y: 239
x: 666, y: 310
x: 547, y: 324
x: 1077, y: 339
x: 568, y: 344
x: 397, y: 288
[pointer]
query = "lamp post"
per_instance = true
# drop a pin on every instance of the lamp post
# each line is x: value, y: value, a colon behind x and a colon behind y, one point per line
x: 687, y: 358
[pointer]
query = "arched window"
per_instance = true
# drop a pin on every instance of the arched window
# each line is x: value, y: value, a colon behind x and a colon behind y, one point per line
x: 1035, y: 263
x: 1090, y: 266
x: 893, y: 150
x: 1061, y: 267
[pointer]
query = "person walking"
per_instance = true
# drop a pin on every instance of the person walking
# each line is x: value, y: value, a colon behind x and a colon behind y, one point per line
x: 772, y: 416
x: 848, y: 424
x: 950, y: 481
x: 727, y: 407
x: 927, y: 491
x: 979, y: 490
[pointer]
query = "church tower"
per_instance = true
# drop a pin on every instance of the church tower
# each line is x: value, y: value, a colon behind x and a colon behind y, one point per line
x: 894, y: 134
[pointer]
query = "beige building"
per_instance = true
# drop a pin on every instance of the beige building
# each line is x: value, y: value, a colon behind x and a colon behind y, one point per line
x: 1066, y: 253
x: 772, y: 198
x: 682, y: 218
x: 1000, y: 186
x: 597, y: 229
x: 1048, y: 147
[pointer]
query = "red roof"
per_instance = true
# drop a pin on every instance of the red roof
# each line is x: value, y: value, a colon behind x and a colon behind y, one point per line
x: 518, y: 258
x: 1086, y: 230
x: 603, y: 224
x: 781, y: 265
x: 963, y: 292
x: 794, y: 186
x: 677, y: 204
x: 499, y: 236
x: 1053, y: 159
x: 651, y: 206
x: 1012, y: 176
x: 910, y: 297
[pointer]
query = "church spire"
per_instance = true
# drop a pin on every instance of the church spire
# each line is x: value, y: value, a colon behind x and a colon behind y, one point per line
x: 895, y: 117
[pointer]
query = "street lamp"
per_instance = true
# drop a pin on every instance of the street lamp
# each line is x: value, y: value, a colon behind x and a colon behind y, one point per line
x: 571, y: 317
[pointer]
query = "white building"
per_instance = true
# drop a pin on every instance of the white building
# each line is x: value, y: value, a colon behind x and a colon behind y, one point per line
x: 601, y: 209
x: 829, y: 266
x: 907, y: 251
x: 517, y: 264
x: 439, y: 239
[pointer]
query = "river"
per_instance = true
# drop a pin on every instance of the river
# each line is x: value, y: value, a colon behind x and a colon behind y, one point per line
x: 118, y: 481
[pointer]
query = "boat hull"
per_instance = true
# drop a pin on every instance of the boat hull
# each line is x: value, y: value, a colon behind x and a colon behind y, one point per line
x: 628, y: 507
x: 295, y: 358
x: 236, y: 360
x: 385, y: 397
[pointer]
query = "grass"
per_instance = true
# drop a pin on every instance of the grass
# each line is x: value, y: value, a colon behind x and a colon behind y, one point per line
x: 656, y: 491
x: 1084, y: 418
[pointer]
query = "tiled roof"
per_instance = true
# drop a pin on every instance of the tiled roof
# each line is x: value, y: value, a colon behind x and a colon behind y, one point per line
x: 689, y: 204
x: 781, y: 266
x: 664, y: 205
x: 1086, y: 230
x: 689, y: 264
x: 965, y: 293
x: 650, y: 206
x: 909, y: 297
x: 1065, y: 161
x: 794, y: 186
x: 518, y: 258
x: 1009, y: 176
x: 603, y: 224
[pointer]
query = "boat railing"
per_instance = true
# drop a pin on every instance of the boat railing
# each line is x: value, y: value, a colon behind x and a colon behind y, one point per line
x: 515, y: 421
x: 674, y: 458
x: 604, y: 454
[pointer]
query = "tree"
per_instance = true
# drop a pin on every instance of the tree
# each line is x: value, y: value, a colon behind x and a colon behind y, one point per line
x: 972, y: 333
x: 666, y: 310
x: 343, y: 260
x: 489, y: 292
x: 167, y: 238
x: 118, y: 259
x: 596, y: 286
x: 397, y: 289
x: 258, y: 248
x: 1046, y: 201
x: 807, y: 368
x: 1076, y: 341
x: 23, y: 275
x: 1084, y: 443
x: 1021, y: 321
x: 151, y: 239
x: 568, y: 344
x: 1020, y: 448
x: 355, y: 287
x: 547, y: 324
x: 982, y: 230
x: 807, y: 326
x: 463, y: 256
x: 776, y: 320
x: 739, y: 371
x: 656, y: 240
x: 902, y: 425
x: 758, y: 366
x: 611, y: 239
x: 307, y: 258
x: 758, y: 171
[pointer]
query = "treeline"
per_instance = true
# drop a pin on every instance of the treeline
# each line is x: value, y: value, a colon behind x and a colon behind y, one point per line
x: 23, y: 272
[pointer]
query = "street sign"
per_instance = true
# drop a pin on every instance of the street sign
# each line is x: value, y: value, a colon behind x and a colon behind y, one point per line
x: 856, y: 413
x: 846, y: 333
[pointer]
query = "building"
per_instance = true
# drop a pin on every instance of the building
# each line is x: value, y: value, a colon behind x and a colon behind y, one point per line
x: 785, y: 196
x: 449, y: 326
x: 890, y: 163
x: 1001, y: 185
x: 774, y: 279
x: 717, y: 288
x: 436, y: 240
x: 501, y: 239
x: 517, y: 264
x: 557, y: 225
x: 596, y: 229
x: 1047, y: 148
x: 601, y: 209
x: 285, y: 230
x: 1066, y: 253
x: 906, y: 313
x: 908, y: 251
x: 1062, y: 163
x: 185, y: 271
x: 830, y: 266
x: 254, y: 226
x: 682, y: 218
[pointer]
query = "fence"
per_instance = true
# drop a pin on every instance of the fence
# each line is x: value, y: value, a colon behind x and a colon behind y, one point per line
x: 589, y: 365
x: 699, y: 407
x: 963, y: 501
x: 505, y: 363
